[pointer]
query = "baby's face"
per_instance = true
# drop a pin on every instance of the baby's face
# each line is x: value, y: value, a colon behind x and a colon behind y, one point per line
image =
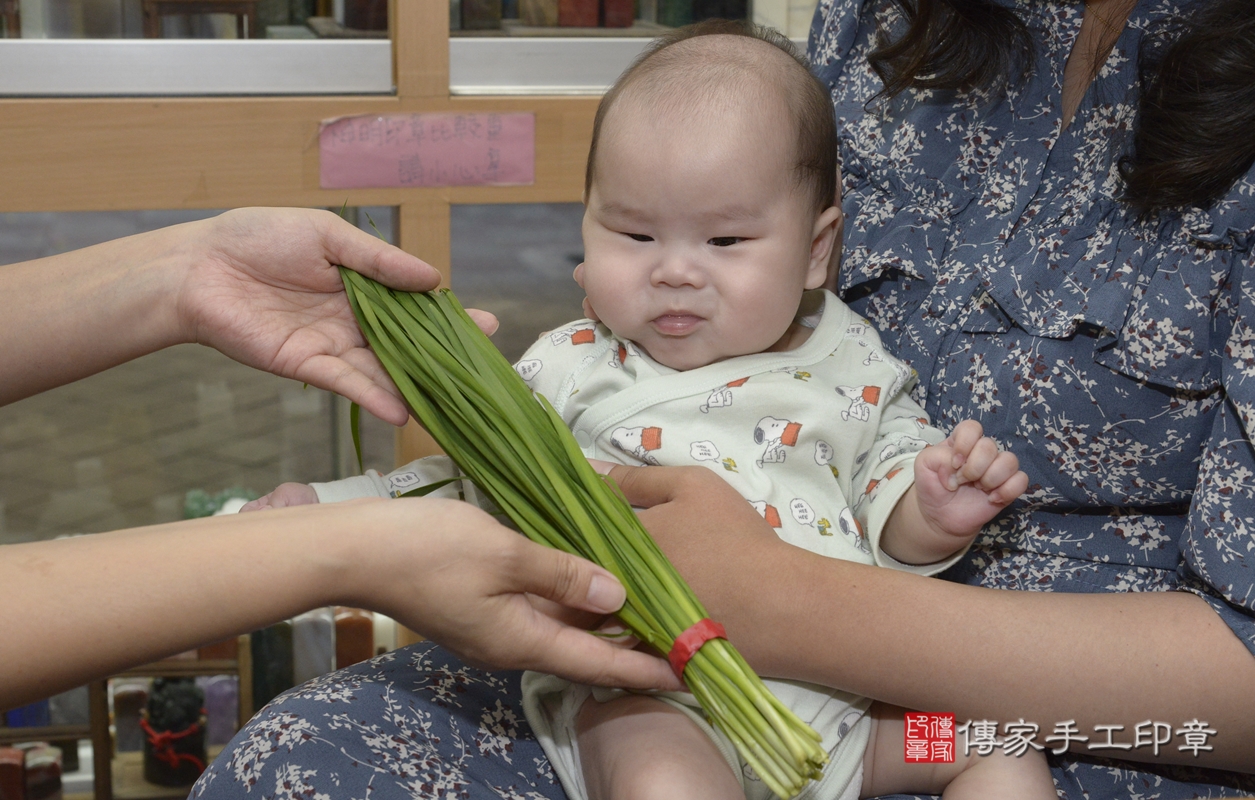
x: 698, y: 241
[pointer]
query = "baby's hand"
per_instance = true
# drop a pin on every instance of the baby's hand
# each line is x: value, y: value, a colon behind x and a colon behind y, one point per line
x: 965, y: 481
x: 284, y: 495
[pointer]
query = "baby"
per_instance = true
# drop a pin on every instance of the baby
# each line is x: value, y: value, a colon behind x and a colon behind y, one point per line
x: 710, y: 220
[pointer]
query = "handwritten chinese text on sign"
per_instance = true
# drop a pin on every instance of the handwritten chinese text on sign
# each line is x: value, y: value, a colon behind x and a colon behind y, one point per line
x: 422, y: 150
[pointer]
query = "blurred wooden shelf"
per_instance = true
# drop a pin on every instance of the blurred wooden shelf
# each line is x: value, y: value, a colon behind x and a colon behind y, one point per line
x: 129, y: 783
x: 44, y: 734
x: 122, y: 776
x: 181, y: 668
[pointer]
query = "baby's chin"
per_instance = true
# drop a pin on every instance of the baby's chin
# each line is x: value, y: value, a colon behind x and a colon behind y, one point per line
x: 684, y: 359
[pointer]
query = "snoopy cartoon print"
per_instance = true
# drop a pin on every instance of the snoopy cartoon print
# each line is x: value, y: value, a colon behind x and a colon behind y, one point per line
x: 862, y: 400
x: 776, y: 434
x: 902, y: 376
x: 876, y: 484
x: 528, y: 368
x: 619, y: 355
x: 905, y: 444
x: 639, y: 442
x: 767, y: 512
x: 852, y: 530
x: 721, y: 397
x: 577, y: 334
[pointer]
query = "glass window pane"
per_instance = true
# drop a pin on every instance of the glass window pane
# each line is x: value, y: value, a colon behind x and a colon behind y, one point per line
x: 127, y: 446
x: 179, y: 19
x: 86, y: 48
x: 516, y: 261
x: 585, y: 17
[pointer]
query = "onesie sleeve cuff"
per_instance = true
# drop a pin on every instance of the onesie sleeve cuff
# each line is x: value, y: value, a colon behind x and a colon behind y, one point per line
x: 418, y: 473
x: 369, y: 485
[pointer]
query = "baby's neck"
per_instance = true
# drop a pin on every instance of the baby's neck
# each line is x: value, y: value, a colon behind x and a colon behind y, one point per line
x: 793, y: 338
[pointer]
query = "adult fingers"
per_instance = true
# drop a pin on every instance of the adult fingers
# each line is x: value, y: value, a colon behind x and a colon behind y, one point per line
x: 646, y: 487
x: 366, y: 253
x: 566, y: 579
x: 576, y: 618
x: 579, y: 656
x: 487, y: 322
x: 339, y: 376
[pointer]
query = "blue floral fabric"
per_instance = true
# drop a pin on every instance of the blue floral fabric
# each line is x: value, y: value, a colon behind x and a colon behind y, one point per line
x: 415, y: 722
x: 1114, y: 356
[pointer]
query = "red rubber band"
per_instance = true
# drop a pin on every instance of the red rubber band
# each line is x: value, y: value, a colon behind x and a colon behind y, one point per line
x: 689, y: 642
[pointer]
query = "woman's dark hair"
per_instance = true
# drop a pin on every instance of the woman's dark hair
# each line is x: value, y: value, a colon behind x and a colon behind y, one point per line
x: 1194, y: 134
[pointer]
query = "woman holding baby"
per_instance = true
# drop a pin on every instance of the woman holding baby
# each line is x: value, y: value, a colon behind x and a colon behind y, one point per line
x: 1050, y: 215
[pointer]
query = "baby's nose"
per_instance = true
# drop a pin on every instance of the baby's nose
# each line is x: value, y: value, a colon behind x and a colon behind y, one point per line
x: 678, y: 269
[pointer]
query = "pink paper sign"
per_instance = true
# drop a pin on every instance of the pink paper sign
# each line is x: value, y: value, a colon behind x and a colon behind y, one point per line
x: 400, y: 150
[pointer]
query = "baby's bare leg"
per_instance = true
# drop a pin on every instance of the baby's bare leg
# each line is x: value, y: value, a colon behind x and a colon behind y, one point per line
x: 973, y: 777
x: 638, y: 748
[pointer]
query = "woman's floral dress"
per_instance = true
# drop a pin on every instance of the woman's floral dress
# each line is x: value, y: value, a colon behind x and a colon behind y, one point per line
x: 1115, y: 357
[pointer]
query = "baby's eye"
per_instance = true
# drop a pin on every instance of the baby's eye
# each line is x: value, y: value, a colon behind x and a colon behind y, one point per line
x: 640, y: 237
x: 725, y: 241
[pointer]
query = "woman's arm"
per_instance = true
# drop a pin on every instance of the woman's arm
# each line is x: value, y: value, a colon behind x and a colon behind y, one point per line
x: 258, y: 284
x: 1098, y: 659
x: 78, y: 609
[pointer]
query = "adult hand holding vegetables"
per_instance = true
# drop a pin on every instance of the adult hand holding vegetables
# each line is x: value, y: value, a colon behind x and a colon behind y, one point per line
x: 260, y: 286
x: 1097, y: 659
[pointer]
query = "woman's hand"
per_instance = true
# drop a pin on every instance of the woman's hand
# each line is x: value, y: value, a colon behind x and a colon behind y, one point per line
x: 95, y: 605
x: 722, y: 546
x: 263, y: 288
x: 460, y: 578
x: 925, y: 643
x: 258, y: 284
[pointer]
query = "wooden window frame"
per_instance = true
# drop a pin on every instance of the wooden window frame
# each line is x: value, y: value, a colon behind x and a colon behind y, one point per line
x: 111, y: 154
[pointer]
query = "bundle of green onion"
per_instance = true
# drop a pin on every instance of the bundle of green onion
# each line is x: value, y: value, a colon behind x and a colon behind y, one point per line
x: 517, y: 450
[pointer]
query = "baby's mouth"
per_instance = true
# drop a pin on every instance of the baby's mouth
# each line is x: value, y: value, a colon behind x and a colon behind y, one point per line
x: 676, y: 324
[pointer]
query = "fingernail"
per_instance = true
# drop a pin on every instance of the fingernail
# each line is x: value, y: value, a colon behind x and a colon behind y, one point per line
x: 601, y: 467
x: 953, y: 483
x: 606, y: 594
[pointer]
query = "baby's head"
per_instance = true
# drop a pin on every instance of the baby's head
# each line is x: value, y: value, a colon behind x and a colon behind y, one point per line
x: 710, y: 195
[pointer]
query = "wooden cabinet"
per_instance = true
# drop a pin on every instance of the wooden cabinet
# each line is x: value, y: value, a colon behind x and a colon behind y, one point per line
x: 120, y: 775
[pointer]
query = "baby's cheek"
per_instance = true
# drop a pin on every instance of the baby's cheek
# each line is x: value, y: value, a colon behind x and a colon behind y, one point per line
x: 610, y: 303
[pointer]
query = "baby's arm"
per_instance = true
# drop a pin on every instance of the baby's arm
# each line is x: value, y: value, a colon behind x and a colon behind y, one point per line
x: 960, y: 484
x: 416, y: 474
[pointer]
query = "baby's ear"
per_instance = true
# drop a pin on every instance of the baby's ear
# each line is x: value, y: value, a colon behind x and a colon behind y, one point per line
x: 579, y: 280
x: 825, y: 248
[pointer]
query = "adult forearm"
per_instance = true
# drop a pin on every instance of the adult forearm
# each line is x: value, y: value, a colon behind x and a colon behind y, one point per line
x: 82, y: 608
x: 1098, y: 659
x: 75, y: 314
